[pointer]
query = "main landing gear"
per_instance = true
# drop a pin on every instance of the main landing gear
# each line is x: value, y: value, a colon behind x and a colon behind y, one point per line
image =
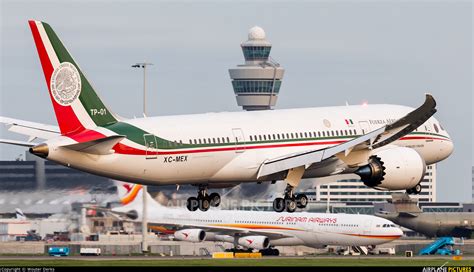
x: 203, y: 201
x: 290, y: 201
x: 415, y: 190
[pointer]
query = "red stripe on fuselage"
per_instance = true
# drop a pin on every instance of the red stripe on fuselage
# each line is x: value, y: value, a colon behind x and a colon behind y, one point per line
x: 67, y: 119
x: 127, y: 150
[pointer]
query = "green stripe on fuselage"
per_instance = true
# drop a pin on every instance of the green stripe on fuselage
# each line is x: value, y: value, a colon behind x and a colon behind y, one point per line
x: 136, y: 135
x: 89, y: 99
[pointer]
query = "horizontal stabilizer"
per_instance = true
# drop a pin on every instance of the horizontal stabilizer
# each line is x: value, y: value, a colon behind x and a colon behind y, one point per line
x: 407, y: 214
x: 31, y: 129
x: 20, y: 143
x: 102, y: 146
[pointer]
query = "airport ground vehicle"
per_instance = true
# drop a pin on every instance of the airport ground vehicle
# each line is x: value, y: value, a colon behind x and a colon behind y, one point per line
x: 442, y: 246
x: 58, y: 251
x: 90, y: 251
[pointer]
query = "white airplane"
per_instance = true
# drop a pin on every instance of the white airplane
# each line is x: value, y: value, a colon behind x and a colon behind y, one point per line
x: 388, y: 146
x: 257, y: 229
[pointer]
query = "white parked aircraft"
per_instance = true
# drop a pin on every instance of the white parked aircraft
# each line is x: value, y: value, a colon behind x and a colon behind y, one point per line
x: 388, y: 146
x: 258, y: 229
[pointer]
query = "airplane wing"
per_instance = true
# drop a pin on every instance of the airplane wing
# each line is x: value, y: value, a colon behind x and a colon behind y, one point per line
x: 228, y: 230
x: 31, y: 129
x: 374, y: 139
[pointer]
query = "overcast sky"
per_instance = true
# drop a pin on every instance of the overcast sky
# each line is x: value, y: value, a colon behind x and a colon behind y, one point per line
x: 333, y: 52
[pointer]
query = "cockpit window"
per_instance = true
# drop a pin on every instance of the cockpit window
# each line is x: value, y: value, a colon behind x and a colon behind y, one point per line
x: 436, y: 128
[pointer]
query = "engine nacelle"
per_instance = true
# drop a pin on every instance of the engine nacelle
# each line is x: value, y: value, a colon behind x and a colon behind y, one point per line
x: 255, y: 242
x: 398, y: 168
x: 190, y: 235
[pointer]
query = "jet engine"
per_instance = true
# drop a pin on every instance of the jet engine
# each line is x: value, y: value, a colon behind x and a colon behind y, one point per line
x: 255, y: 242
x: 397, y: 168
x: 190, y: 235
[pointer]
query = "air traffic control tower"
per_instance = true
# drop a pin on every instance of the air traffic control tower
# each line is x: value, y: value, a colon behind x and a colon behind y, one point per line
x: 257, y: 82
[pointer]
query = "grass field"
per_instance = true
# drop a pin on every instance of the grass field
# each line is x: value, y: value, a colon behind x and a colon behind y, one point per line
x: 239, y: 262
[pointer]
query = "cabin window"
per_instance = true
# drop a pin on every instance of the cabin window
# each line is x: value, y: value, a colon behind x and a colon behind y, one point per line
x: 355, y: 132
x: 341, y: 133
x: 260, y: 137
x: 436, y: 128
x: 213, y: 140
x: 218, y: 140
x: 319, y: 133
x: 199, y: 141
x: 306, y: 135
x: 332, y: 132
x: 251, y: 138
x: 264, y: 137
x: 337, y: 133
x: 292, y: 136
x: 278, y: 136
x: 228, y: 140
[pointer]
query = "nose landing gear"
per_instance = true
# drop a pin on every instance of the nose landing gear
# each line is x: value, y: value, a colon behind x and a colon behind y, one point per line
x: 415, y: 190
x: 203, y: 201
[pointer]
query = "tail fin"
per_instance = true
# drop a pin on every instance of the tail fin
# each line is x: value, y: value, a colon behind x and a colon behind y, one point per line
x: 19, y: 214
x: 405, y: 204
x: 132, y: 195
x: 76, y: 104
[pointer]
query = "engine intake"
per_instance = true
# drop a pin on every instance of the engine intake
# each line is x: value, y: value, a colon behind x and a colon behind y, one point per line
x: 255, y: 242
x: 397, y: 168
x: 190, y: 235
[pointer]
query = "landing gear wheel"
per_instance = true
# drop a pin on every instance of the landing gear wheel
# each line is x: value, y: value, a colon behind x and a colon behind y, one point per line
x: 275, y: 252
x: 204, y: 203
x: 290, y: 205
x: 417, y: 189
x: 279, y: 204
x: 301, y: 201
x: 215, y: 199
x: 192, y: 204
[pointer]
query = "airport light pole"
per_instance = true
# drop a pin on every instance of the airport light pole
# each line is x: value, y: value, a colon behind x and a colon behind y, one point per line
x: 144, y: 187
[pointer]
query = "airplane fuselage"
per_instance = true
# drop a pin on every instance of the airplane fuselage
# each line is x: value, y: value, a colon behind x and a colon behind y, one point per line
x: 230, y: 146
x: 437, y: 224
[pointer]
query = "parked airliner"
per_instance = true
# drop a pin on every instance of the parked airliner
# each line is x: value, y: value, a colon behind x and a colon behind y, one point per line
x: 388, y: 146
x: 258, y: 229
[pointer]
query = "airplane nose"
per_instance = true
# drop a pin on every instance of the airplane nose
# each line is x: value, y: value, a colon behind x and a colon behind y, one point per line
x: 449, y: 147
x: 446, y: 149
x: 398, y: 232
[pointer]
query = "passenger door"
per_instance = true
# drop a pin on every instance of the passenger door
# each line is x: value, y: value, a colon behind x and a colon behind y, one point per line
x: 364, y: 126
x: 239, y: 140
x: 151, y: 146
